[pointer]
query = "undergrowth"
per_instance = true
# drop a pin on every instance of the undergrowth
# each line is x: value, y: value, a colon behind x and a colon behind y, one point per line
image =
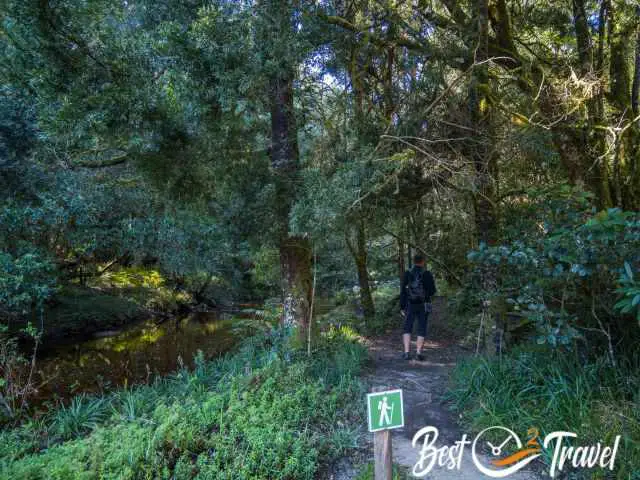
x: 263, y: 412
x: 145, y: 286
x: 348, y: 311
x: 552, y: 390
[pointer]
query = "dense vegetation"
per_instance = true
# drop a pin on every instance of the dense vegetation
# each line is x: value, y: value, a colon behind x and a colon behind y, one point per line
x: 158, y: 157
x: 254, y: 414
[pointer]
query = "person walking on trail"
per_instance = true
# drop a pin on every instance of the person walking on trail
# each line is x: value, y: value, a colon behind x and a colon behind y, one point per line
x: 416, y: 291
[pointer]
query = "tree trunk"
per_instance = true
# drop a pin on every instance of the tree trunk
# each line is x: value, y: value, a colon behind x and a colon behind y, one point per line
x: 408, y: 236
x: 358, y: 249
x: 591, y: 136
x: 583, y: 36
x: 363, y: 274
x: 295, y: 252
x: 297, y: 282
x: 619, y: 85
x: 483, y: 155
x: 634, y: 202
x: 401, y: 265
x: 570, y: 142
x: 635, y: 90
x: 624, y: 161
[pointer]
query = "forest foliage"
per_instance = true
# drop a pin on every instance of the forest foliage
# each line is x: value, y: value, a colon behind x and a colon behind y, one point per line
x: 276, y: 148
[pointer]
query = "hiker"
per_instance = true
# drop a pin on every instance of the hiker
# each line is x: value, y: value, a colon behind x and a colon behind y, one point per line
x: 415, y: 303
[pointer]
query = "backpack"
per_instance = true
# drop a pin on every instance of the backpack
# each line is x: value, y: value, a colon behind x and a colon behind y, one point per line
x: 415, y: 286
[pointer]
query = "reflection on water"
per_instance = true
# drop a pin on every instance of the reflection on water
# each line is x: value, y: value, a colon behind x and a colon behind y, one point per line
x: 136, y: 354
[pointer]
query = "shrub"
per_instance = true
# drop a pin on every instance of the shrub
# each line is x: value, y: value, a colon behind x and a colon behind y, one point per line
x: 567, y: 278
x: 26, y: 282
x: 263, y: 412
x: 386, y: 299
x: 16, y: 374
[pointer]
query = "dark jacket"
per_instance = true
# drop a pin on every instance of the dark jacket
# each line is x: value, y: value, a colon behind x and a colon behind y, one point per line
x: 428, y: 282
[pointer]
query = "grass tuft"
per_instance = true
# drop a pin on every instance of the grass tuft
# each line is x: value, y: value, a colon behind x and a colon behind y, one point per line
x: 538, y: 387
x: 82, y: 415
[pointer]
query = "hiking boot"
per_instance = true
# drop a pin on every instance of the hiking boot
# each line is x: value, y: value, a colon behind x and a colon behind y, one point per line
x: 420, y: 357
x: 406, y: 356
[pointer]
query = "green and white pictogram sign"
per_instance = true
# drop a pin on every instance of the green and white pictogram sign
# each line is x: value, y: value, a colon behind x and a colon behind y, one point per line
x: 385, y: 410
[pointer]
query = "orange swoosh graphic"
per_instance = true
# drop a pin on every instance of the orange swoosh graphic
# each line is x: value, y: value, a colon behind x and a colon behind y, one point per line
x: 515, y: 457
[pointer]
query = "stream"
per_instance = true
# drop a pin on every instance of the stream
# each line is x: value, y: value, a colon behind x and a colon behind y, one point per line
x: 135, y: 354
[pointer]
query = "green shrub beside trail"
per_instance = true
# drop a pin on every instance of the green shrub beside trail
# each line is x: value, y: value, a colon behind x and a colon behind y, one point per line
x: 261, y: 413
x: 551, y: 390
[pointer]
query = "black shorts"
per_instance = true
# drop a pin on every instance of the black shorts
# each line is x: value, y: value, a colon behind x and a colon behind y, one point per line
x: 416, y: 311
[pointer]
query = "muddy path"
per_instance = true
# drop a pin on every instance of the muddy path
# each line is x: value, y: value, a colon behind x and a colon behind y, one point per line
x: 424, y: 386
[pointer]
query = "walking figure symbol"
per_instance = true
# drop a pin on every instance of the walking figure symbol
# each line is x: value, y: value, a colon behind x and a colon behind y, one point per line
x: 386, y: 411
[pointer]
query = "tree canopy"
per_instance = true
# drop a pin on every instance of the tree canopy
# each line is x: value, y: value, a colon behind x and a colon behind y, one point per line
x: 221, y: 137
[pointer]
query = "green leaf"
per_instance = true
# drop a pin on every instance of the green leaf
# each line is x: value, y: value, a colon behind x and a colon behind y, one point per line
x: 620, y: 304
x: 627, y: 268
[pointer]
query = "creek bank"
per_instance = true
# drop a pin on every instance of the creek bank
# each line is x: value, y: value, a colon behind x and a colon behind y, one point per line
x: 136, y: 354
x: 218, y: 420
x: 97, y: 339
x: 82, y: 313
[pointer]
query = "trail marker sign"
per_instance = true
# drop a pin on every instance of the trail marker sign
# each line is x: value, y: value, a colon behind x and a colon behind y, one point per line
x: 385, y: 410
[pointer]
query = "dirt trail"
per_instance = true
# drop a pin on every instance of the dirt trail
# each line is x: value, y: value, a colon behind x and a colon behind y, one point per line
x: 424, y: 386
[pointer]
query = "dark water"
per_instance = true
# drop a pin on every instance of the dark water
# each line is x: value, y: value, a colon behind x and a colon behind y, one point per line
x: 137, y: 354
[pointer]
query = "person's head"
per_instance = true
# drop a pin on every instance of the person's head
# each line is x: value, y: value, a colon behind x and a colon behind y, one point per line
x: 418, y: 260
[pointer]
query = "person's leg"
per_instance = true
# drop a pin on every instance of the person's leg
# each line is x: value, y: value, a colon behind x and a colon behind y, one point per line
x: 422, y: 329
x: 406, y: 340
x: 407, y: 328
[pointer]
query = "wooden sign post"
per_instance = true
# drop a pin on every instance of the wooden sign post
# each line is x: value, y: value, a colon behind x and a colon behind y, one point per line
x: 382, y: 449
x: 385, y: 412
